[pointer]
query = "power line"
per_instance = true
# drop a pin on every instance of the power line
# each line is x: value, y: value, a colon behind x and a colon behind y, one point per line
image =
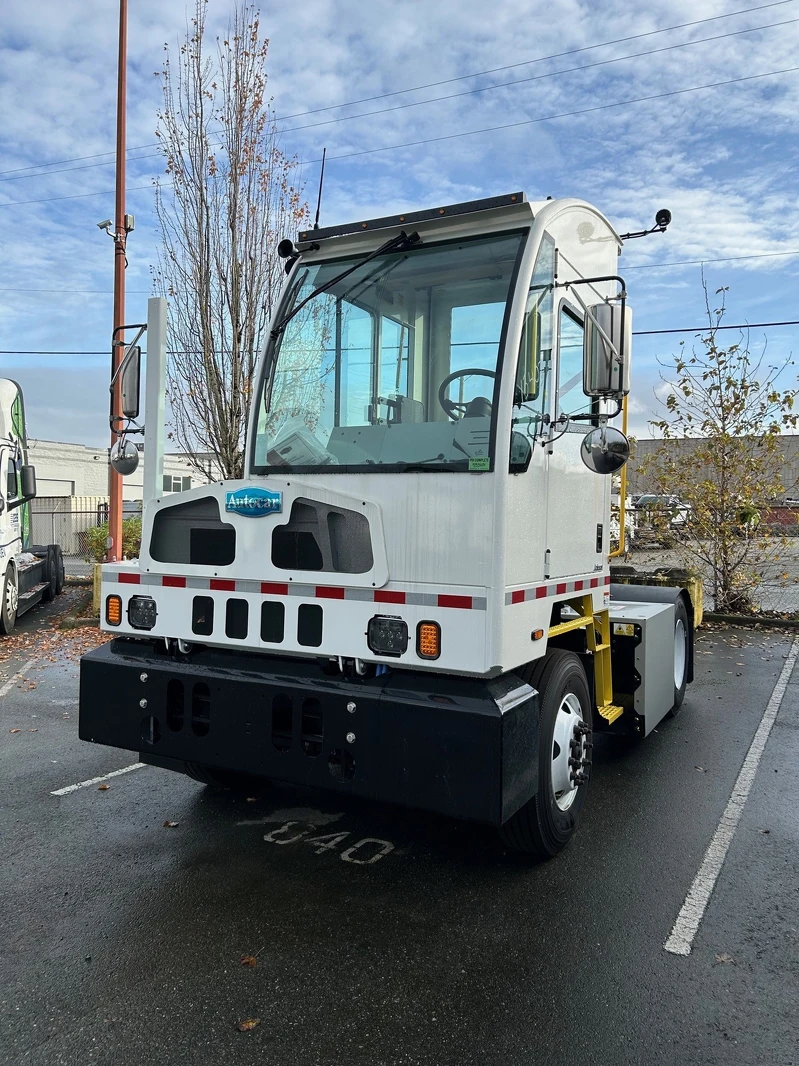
x: 636, y: 333
x: 486, y: 129
x: 643, y: 266
x: 699, y: 262
x: 450, y: 81
x: 709, y: 329
x: 440, y: 99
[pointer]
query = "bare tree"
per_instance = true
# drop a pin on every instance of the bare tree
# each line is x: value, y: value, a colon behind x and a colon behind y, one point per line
x: 231, y: 196
x: 724, y: 412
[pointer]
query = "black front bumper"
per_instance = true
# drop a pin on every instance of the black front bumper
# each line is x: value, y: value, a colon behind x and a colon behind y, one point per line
x: 422, y: 740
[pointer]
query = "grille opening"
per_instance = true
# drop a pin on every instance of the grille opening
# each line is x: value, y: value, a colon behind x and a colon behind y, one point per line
x: 309, y: 625
x: 320, y: 537
x: 150, y: 730
x: 341, y: 765
x: 282, y: 727
x: 237, y: 613
x: 202, y: 616
x: 295, y: 549
x: 273, y: 619
x: 313, y: 727
x: 212, y: 547
x: 175, y: 711
x: 200, y: 709
x: 193, y: 532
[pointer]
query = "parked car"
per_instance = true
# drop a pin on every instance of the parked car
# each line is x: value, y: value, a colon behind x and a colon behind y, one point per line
x: 658, y: 510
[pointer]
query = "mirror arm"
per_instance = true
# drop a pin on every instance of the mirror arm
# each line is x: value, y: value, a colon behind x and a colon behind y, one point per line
x: 622, y: 295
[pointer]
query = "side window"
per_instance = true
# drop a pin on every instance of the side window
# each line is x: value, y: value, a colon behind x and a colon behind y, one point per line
x: 571, y: 398
x: 11, y: 479
x: 533, y: 371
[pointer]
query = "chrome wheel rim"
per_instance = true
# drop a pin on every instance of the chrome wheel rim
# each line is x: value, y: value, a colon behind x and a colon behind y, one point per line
x: 568, y: 743
x: 680, y: 654
x: 11, y: 597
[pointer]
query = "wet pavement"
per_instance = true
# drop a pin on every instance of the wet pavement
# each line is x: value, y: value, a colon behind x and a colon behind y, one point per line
x: 382, y: 936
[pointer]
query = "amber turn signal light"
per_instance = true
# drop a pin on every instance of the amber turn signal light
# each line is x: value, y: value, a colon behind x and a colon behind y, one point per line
x: 113, y: 610
x: 428, y: 640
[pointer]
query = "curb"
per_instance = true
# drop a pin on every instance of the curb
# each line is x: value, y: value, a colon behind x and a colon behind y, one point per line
x: 73, y: 621
x: 752, y: 620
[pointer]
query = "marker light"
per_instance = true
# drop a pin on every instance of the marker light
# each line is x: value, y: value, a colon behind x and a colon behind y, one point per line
x: 142, y: 612
x: 387, y: 635
x: 428, y: 640
x: 113, y: 610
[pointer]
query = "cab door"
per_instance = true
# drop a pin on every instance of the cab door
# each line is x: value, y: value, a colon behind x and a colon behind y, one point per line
x: 577, y: 511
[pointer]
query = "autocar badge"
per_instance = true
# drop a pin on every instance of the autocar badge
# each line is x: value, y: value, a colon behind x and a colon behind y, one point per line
x: 254, y: 502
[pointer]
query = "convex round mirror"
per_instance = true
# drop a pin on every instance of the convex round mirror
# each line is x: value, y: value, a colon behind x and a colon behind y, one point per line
x: 605, y: 450
x: 124, y: 457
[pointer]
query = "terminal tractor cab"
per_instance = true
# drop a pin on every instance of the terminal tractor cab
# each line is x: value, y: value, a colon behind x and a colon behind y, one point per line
x: 407, y: 596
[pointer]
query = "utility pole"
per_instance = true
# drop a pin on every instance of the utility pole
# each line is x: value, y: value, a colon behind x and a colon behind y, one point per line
x: 114, y: 552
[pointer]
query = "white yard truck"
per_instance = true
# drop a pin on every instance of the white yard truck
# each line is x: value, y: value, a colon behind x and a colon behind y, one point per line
x: 408, y: 597
x: 30, y: 574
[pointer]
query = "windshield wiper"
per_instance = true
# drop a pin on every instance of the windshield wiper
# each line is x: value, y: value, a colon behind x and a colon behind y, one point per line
x: 402, y: 240
x: 437, y: 462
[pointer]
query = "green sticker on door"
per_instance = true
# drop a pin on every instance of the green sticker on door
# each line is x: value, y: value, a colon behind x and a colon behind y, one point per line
x: 479, y: 463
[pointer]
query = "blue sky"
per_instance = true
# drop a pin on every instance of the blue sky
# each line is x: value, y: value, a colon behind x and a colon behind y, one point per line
x: 724, y: 159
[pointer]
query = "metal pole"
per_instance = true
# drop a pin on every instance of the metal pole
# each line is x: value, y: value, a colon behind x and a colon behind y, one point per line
x: 154, y: 381
x: 114, y: 552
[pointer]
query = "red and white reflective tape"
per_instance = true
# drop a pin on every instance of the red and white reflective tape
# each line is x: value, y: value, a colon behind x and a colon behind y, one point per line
x: 308, y: 592
x: 557, y: 588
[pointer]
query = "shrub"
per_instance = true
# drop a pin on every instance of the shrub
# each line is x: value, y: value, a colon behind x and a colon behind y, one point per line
x: 131, y: 540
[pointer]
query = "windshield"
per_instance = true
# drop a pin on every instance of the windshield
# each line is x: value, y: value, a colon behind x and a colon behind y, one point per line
x: 394, y: 366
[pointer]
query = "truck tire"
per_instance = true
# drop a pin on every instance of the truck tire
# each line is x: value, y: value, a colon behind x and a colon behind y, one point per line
x: 682, y: 635
x: 9, y: 600
x: 210, y: 775
x: 49, y: 592
x: 546, y: 823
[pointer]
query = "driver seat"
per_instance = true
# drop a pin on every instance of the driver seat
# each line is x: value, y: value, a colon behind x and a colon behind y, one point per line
x: 479, y: 407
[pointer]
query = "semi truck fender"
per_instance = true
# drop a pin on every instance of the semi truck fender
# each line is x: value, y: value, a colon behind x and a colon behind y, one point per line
x: 660, y: 594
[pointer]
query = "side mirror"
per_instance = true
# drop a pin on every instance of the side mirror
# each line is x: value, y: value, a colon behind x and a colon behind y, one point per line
x: 131, y: 382
x: 28, y: 479
x: 607, y: 347
x: 605, y: 450
x: 529, y: 358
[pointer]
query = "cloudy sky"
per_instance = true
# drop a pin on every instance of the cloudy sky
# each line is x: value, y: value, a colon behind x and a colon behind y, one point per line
x: 585, y: 113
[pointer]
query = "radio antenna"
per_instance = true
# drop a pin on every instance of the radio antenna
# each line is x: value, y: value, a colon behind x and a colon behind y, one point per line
x: 321, y: 183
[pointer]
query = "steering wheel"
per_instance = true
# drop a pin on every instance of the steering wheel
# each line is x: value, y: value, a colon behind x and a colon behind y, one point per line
x: 450, y: 407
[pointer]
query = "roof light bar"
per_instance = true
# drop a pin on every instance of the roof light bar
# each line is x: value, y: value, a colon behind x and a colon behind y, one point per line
x: 412, y: 217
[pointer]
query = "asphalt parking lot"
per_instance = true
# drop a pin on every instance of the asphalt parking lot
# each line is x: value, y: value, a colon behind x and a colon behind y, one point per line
x: 382, y: 936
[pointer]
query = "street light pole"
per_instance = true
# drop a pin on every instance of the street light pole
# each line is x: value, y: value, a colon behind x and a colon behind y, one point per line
x: 114, y: 552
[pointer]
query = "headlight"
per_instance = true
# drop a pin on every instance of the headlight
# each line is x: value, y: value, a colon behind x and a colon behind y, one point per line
x: 387, y: 636
x: 141, y: 612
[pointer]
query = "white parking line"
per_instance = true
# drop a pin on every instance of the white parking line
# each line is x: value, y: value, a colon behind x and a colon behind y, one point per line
x: 18, y: 676
x: 693, y: 909
x: 97, y: 780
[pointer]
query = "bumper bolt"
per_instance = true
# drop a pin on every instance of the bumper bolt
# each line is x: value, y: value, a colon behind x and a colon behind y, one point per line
x: 350, y: 738
x: 351, y: 707
x: 142, y: 704
x: 142, y: 677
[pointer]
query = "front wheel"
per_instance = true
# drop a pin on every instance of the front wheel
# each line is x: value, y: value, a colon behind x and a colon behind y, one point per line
x: 9, y: 602
x: 546, y: 823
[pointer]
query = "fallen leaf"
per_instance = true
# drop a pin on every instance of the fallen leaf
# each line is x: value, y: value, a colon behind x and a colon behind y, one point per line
x: 252, y: 799
x: 247, y: 1024
x: 248, y: 960
x: 765, y: 831
x: 725, y: 958
x: 103, y: 788
x: 33, y: 730
x: 171, y: 825
x: 15, y: 730
x: 701, y: 769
